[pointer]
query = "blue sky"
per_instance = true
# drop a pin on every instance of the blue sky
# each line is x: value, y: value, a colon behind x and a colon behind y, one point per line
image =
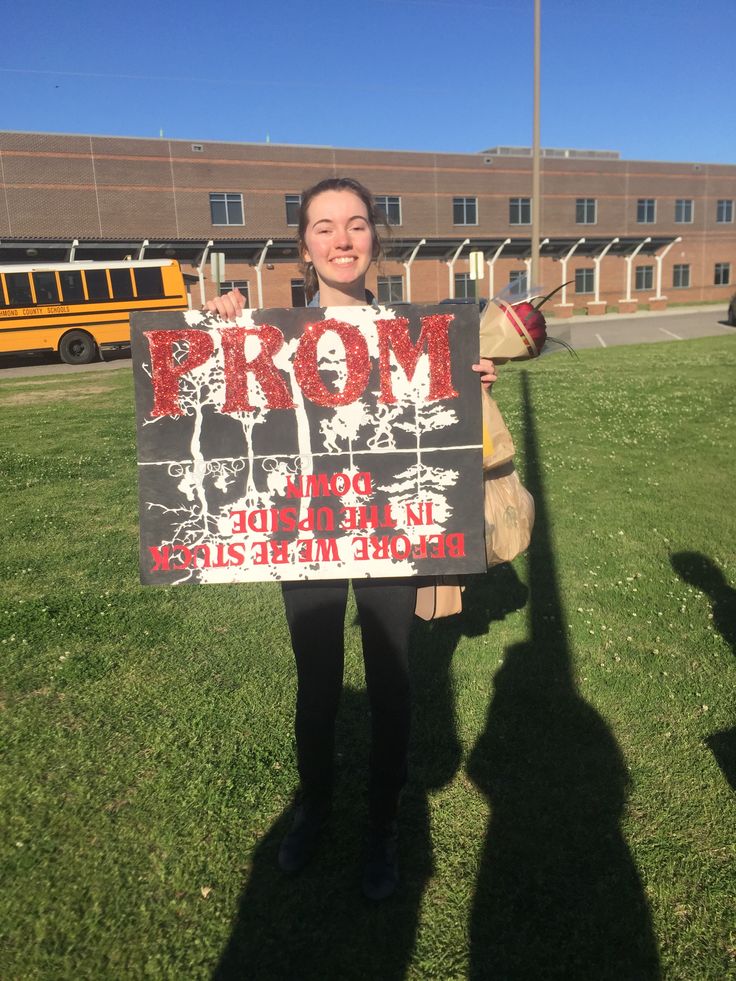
x: 653, y: 79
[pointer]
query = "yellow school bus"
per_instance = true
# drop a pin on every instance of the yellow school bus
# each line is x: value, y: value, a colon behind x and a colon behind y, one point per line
x: 76, y: 308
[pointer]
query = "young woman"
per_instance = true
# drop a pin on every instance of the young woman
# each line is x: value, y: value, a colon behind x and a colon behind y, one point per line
x: 338, y: 240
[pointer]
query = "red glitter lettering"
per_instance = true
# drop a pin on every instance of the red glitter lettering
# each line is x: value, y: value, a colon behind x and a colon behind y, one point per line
x: 166, y: 370
x: 238, y: 367
x: 357, y: 363
x: 394, y: 335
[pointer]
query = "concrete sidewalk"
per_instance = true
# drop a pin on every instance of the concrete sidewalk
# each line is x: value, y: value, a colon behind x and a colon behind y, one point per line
x: 718, y: 310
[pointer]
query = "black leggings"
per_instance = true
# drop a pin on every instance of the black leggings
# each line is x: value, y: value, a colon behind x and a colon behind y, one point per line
x: 315, y: 612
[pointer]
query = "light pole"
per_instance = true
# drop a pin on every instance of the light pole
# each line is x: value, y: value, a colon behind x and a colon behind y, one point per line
x: 536, y: 181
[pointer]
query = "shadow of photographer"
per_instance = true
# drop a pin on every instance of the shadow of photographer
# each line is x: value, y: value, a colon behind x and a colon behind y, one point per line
x: 558, y: 894
x: 700, y: 571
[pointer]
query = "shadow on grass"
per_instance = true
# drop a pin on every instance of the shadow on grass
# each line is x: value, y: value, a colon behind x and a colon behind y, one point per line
x: 704, y: 574
x: 317, y: 925
x: 558, y: 894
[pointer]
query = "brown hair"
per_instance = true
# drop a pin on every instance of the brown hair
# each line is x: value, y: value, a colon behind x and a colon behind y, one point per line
x: 311, y: 284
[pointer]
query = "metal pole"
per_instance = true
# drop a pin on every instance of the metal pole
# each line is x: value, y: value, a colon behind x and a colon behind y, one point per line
x: 597, y: 260
x: 659, y: 259
x: 629, y: 260
x: 492, y: 263
x: 200, y: 272
x: 536, y: 180
x: 451, y: 267
x: 408, y: 265
x: 259, y: 266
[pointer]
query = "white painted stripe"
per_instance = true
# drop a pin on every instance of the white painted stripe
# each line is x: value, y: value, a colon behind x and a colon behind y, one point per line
x: 601, y: 341
x: 291, y: 456
x: 665, y: 331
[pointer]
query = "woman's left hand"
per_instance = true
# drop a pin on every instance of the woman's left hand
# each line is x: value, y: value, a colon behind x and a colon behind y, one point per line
x: 487, y: 371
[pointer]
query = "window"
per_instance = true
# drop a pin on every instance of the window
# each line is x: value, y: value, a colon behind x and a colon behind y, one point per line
x: 646, y: 210
x: 19, y: 289
x: 465, y: 211
x: 681, y: 276
x: 389, y: 210
x: 226, y: 209
x: 585, y: 211
x: 97, y: 288
x: 298, y: 293
x: 520, y: 211
x: 683, y: 211
x: 122, y: 284
x: 149, y: 283
x: 71, y: 286
x: 724, y: 211
x: 644, y: 278
x: 45, y: 286
x: 241, y: 284
x: 584, y: 280
x: 722, y: 274
x: 517, y: 279
x: 293, y: 203
x: 390, y: 289
x: 464, y: 287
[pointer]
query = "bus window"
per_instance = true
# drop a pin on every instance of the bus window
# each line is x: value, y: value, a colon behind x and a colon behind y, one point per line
x: 149, y: 283
x: 45, y: 286
x: 122, y: 284
x: 71, y: 286
x: 97, y: 284
x: 19, y: 289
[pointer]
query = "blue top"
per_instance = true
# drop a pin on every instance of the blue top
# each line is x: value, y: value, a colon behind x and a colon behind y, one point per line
x: 370, y: 299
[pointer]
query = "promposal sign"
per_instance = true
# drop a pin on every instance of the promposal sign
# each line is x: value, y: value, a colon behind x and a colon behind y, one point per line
x: 309, y: 444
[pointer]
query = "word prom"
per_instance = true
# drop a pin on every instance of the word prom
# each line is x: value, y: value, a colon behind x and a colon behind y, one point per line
x: 168, y: 366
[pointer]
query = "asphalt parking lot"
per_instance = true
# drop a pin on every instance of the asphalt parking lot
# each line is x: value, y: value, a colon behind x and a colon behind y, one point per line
x: 685, y: 323
x: 580, y: 332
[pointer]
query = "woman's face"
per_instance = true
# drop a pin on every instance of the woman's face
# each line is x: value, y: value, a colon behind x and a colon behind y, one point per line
x: 338, y: 240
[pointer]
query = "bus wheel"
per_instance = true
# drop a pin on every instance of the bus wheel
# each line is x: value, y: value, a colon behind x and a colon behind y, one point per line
x: 77, y: 347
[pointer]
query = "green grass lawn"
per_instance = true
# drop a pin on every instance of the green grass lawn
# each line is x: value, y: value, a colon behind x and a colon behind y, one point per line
x: 569, y: 813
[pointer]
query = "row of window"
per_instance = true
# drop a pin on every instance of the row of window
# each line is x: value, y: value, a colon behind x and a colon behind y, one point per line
x: 24, y: 289
x: 228, y: 209
x: 391, y: 288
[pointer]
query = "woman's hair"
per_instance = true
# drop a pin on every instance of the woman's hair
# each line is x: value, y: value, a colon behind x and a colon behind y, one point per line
x: 311, y: 284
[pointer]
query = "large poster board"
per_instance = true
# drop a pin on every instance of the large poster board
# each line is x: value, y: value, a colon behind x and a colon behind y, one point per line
x: 308, y: 444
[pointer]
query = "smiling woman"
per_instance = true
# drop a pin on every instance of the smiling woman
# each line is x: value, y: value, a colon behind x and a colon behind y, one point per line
x: 338, y: 240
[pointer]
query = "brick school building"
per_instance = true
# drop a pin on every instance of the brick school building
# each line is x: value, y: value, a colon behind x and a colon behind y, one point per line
x: 628, y: 234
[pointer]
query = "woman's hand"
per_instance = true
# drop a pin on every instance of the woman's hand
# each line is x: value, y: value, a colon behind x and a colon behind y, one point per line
x: 487, y: 371
x: 229, y: 306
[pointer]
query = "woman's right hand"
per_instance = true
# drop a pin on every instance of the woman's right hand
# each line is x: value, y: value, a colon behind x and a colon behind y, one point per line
x: 229, y: 306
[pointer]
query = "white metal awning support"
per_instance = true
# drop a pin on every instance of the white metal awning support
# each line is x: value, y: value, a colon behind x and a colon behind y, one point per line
x: 259, y: 266
x: 528, y: 264
x: 492, y: 263
x: 451, y: 267
x: 142, y: 251
x: 659, y: 258
x: 564, y: 261
x: 597, y: 275
x: 629, y: 261
x: 72, y: 250
x: 200, y: 272
x: 407, y: 267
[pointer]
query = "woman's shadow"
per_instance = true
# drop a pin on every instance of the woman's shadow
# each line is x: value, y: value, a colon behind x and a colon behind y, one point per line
x: 558, y: 893
x: 317, y: 925
x: 704, y: 574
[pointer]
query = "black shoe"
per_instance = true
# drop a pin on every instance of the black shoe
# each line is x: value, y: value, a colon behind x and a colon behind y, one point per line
x: 300, y: 843
x: 381, y: 872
